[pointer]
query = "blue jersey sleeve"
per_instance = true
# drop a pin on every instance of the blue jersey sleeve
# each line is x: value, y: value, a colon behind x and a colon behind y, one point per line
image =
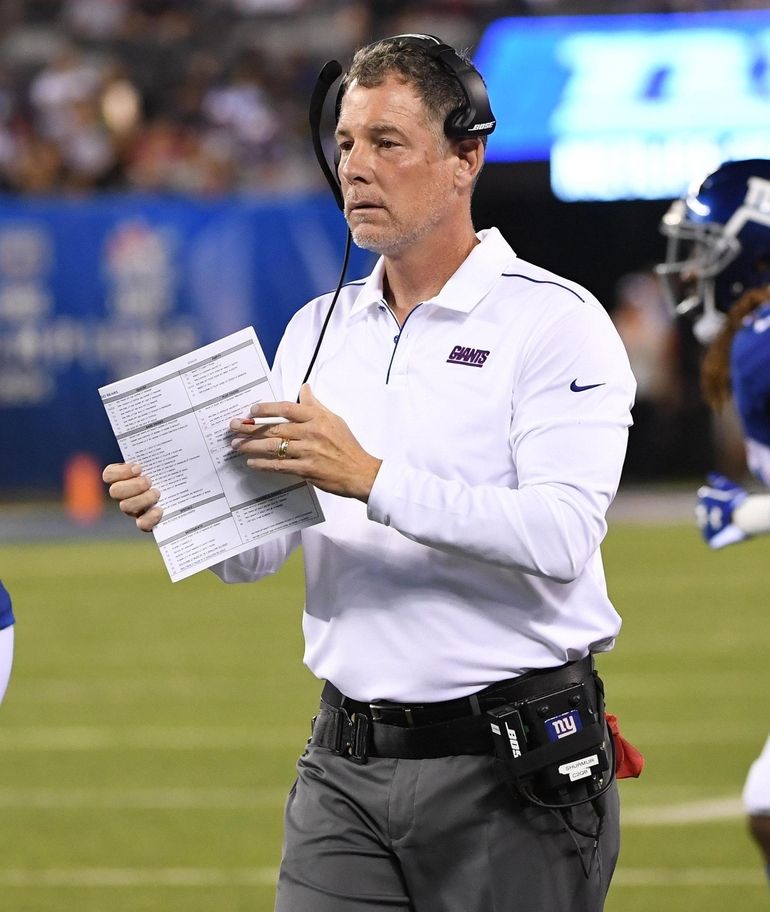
x: 750, y: 375
x: 6, y: 611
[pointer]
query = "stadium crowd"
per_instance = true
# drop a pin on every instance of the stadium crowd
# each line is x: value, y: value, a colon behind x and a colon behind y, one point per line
x: 199, y: 96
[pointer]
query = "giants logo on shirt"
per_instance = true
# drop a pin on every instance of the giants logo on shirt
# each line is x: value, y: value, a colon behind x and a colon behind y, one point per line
x: 470, y: 357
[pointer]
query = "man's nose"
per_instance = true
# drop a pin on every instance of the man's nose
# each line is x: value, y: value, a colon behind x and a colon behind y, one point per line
x: 355, y: 164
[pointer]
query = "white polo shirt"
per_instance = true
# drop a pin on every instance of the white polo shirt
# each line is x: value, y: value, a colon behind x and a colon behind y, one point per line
x: 500, y: 410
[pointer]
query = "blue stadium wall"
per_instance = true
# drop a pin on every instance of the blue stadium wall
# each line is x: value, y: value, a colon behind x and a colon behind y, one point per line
x: 93, y: 290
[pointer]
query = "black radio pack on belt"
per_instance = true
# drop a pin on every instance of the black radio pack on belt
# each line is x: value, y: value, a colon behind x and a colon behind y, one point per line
x: 554, y: 747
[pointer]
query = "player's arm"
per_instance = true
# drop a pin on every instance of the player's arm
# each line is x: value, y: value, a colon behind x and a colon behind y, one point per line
x: 6, y: 658
x: 567, y: 448
x: 6, y: 639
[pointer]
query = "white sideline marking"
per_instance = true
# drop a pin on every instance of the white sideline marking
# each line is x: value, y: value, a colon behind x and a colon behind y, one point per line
x: 138, y: 877
x: 76, y: 738
x: 143, y: 798
x: 710, y: 811
x: 191, y: 798
x: 266, y: 877
x: 689, y: 877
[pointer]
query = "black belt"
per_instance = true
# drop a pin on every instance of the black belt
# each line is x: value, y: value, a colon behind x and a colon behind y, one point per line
x: 423, y: 730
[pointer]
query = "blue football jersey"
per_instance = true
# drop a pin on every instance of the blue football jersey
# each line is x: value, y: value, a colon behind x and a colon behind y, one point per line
x: 750, y: 374
x: 6, y: 612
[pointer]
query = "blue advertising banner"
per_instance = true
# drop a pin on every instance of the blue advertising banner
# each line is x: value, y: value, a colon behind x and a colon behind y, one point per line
x: 630, y: 106
x: 93, y: 290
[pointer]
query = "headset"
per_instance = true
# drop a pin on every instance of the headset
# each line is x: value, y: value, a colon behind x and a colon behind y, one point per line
x: 473, y: 118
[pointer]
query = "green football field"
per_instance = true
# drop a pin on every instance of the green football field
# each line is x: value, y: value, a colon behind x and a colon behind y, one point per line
x: 150, y: 731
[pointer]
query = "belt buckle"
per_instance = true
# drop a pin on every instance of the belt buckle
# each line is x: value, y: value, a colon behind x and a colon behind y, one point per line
x: 353, y: 736
x: 378, y: 711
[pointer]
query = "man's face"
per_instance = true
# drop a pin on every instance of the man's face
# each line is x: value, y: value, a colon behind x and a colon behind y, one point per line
x: 395, y: 170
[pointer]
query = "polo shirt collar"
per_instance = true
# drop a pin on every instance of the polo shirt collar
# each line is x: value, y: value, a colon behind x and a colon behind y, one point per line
x: 470, y: 283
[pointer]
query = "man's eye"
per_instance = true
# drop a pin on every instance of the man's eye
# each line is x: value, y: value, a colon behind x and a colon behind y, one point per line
x: 388, y: 144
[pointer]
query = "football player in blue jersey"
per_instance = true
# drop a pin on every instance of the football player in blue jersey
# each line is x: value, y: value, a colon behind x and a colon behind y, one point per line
x: 719, y: 251
x: 6, y: 639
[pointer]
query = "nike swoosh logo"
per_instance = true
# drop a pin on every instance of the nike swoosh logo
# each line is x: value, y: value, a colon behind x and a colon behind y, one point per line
x: 581, y: 389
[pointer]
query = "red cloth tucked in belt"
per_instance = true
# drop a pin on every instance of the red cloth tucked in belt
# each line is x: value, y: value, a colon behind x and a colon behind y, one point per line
x: 629, y: 762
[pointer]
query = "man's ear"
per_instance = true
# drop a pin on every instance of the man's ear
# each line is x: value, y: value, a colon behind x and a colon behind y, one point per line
x: 470, y: 159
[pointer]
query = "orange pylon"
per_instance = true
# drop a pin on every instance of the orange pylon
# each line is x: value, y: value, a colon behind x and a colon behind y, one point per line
x: 83, y: 489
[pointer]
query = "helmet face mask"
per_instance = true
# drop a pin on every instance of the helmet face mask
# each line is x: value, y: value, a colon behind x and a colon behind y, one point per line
x: 718, y: 243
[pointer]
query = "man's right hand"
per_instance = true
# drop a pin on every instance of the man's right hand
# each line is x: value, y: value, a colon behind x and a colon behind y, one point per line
x: 134, y: 493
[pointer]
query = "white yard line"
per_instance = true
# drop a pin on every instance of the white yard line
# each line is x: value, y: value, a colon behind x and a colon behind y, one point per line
x: 709, y: 811
x: 172, y: 798
x: 689, y: 877
x: 76, y: 738
x: 137, y: 877
x: 266, y: 877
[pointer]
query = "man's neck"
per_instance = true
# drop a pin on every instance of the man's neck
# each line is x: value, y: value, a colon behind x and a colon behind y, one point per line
x: 420, y: 273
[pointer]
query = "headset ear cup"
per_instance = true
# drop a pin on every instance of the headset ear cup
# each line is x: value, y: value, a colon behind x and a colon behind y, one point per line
x: 454, y: 127
x: 329, y: 74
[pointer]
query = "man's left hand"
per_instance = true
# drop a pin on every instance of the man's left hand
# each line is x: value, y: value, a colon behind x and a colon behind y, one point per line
x: 315, y: 444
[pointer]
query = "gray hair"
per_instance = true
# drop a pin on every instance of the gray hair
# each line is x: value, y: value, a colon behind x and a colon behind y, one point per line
x: 437, y: 88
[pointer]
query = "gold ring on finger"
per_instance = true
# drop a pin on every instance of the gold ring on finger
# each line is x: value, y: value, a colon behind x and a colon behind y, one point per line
x: 283, y: 448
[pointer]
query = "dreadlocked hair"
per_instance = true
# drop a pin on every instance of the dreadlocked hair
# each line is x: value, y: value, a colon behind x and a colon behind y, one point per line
x: 715, y: 380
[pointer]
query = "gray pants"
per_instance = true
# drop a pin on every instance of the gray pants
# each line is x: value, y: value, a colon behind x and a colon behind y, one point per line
x: 441, y: 835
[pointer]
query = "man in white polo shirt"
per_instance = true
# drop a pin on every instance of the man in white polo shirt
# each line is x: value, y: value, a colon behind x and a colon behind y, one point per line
x: 465, y: 424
